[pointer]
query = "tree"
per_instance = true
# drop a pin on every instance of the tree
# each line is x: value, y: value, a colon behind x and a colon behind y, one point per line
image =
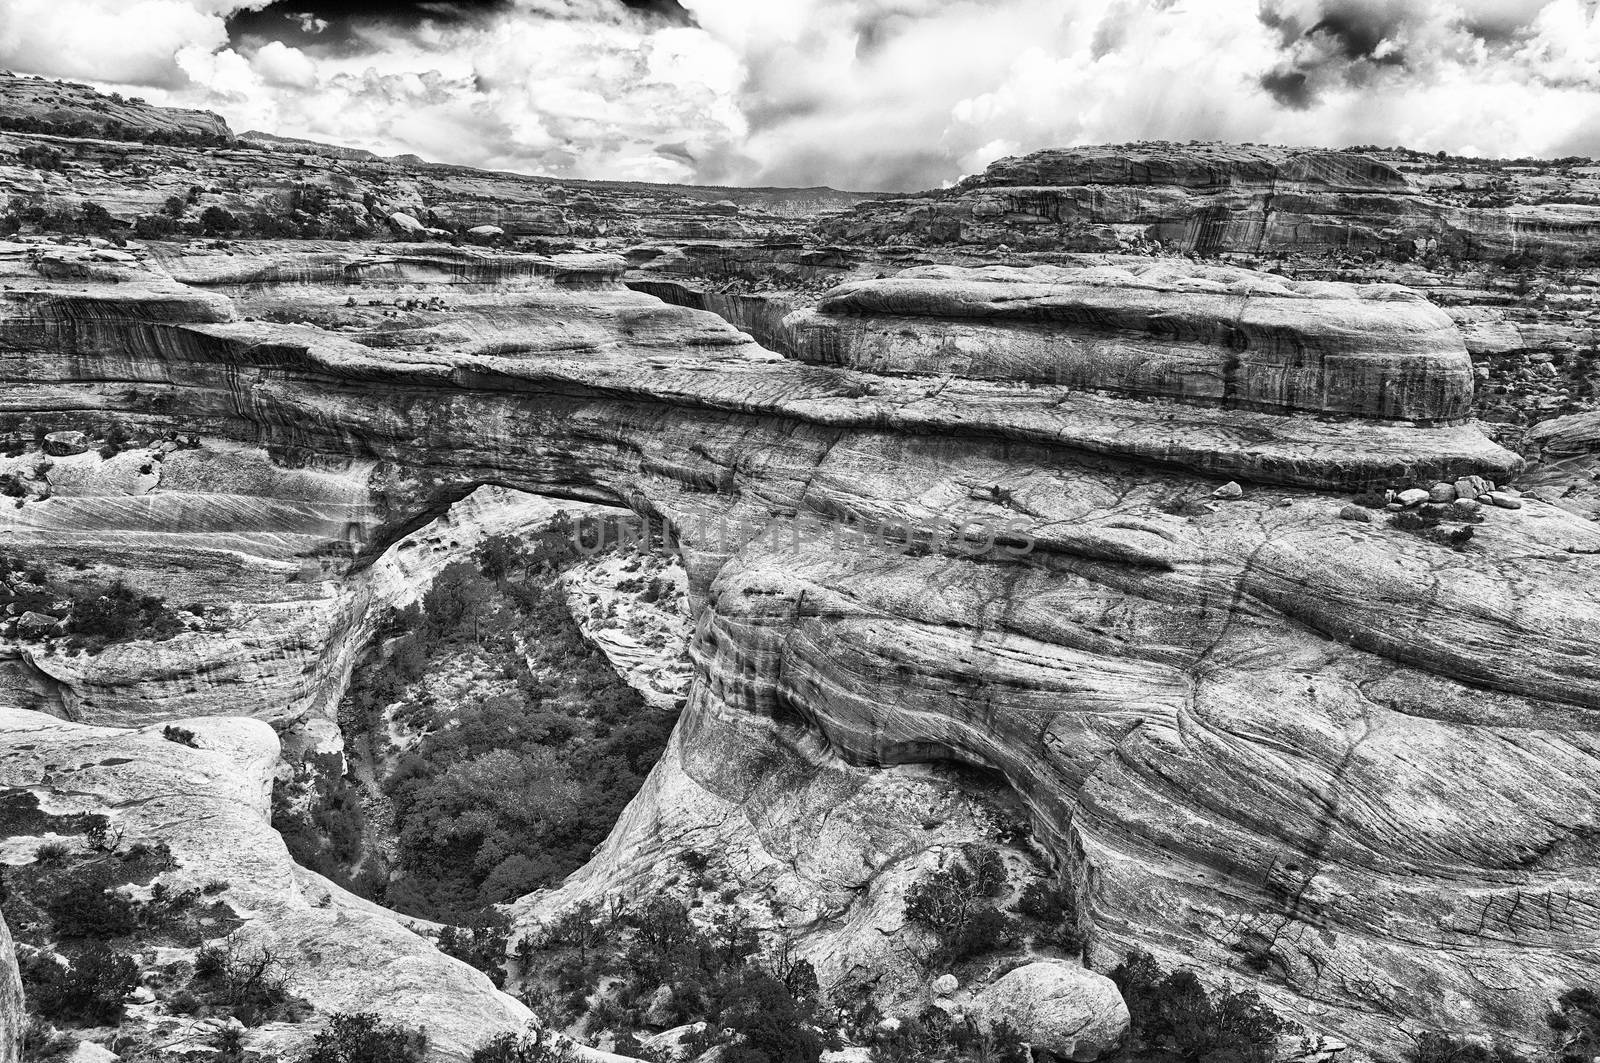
x: 956, y: 905
x: 89, y: 989
x: 456, y: 598
x: 361, y: 1037
x: 1174, y: 1014
x: 214, y: 220
x: 762, y: 1014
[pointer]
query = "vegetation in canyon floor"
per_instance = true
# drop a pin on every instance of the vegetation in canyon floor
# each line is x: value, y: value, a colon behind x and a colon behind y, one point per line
x: 498, y: 743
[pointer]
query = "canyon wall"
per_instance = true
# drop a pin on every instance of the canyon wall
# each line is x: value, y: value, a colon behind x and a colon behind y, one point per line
x: 1342, y: 762
x: 1229, y: 198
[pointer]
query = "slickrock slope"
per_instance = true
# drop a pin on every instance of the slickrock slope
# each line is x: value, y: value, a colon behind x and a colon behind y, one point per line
x: 1220, y: 198
x: 1345, y: 763
x: 211, y: 806
x: 35, y: 104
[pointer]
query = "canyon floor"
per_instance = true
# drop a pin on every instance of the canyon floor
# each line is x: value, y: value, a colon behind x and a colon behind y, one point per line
x: 1139, y: 604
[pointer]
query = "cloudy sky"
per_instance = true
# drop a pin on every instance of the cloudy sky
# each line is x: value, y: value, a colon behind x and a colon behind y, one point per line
x: 865, y: 94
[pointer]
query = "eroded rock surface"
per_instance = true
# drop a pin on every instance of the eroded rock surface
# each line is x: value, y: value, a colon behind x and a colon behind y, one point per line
x: 1155, y: 327
x: 1222, y: 198
x: 1346, y: 764
x: 210, y: 804
x: 13, y: 1018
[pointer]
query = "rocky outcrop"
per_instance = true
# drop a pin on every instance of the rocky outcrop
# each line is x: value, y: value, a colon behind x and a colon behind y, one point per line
x: 1225, y: 198
x: 37, y: 105
x: 13, y: 1018
x: 1213, y: 335
x: 210, y: 803
x: 1058, y: 1007
x: 1345, y: 763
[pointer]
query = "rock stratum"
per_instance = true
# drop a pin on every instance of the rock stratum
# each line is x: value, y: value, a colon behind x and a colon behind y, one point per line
x: 1229, y: 198
x: 970, y: 522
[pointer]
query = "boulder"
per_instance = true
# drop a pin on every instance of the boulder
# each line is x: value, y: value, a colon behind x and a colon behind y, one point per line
x: 403, y: 222
x: 65, y: 444
x: 1472, y: 487
x: 1414, y: 497
x: 945, y: 984
x: 1228, y: 491
x: 1442, y: 493
x: 486, y: 232
x: 1058, y: 1007
x: 1356, y: 513
x: 36, y: 625
x: 1504, y: 500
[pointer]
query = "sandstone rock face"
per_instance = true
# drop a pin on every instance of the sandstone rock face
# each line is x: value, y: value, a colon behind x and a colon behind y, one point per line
x: 1213, y: 198
x: 1155, y: 327
x: 1058, y: 1007
x: 54, y: 105
x: 13, y: 1018
x: 211, y: 805
x: 1257, y: 739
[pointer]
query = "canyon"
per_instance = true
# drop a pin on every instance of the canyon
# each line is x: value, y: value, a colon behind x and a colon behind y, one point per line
x: 1070, y: 510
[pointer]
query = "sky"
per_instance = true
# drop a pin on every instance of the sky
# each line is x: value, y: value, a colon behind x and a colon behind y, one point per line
x: 858, y: 94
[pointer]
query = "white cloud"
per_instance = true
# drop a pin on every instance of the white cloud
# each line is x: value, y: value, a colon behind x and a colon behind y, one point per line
x: 859, y: 93
x: 110, y: 40
x: 283, y: 66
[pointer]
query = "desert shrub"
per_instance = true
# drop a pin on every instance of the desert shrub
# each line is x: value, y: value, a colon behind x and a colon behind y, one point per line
x: 758, y: 1010
x: 40, y: 157
x: 218, y: 220
x: 1577, y: 1025
x: 95, y: 218
x: 208, y: 962
x: 89, y: 989
x: 154, y: 226
x: 87, y: 908
x: 1435, y: 1047
x: 956, y: 905
x: 247, y: 979
x: 483, y: 946
x: 52, y: 854
x: 1174, y: 1018
x: 118, y: 613
x: 181, y: 735
x: 933, y: 1035
x: 361, y: 1037
x: 1056, y: 909
x: 535, y: 1046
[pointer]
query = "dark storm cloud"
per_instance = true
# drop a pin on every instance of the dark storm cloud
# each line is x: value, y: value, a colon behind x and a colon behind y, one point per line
x: 670, y: 11
x: 1289, y: 87
x: 334, y: 25
x: 1330, y: 44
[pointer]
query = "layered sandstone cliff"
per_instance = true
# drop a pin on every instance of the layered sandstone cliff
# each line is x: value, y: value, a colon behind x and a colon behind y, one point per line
x: 1226, y: 198
x: 1339, y: 761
